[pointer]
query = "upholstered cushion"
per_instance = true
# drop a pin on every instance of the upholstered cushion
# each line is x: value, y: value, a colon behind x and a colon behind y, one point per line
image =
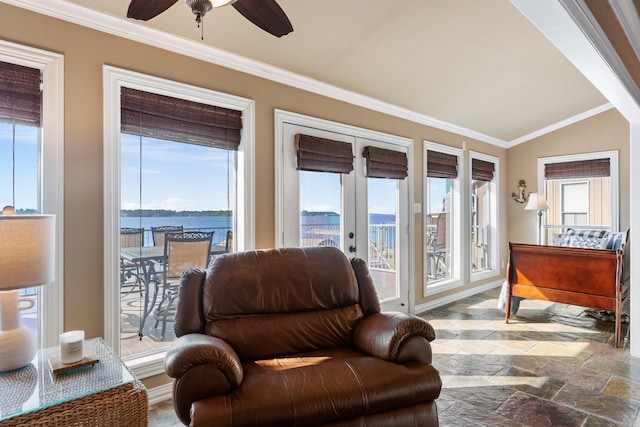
x: 585, y: 242
x: 615, y: 241
x: 265, y: 303
x: 586, y: 234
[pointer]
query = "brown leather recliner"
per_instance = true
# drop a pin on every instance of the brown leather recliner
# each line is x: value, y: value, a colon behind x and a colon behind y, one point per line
x: 295, y: 337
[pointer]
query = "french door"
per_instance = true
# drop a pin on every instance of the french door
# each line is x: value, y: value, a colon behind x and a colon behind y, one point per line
x: 364, y: 217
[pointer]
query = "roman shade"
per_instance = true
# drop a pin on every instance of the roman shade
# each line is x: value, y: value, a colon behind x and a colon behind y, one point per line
x: 323, y: 155
x: 173, y: 119
x: 441, y: 165
x: 383, y: 163
x: 579, y: 169
x: 20, y: 95
x: 482, y: 170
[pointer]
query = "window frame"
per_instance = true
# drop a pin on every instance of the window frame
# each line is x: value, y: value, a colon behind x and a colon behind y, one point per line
x: 613, y: 175
x: 456, y: 220
x: 51, y: 174
x: 494, y: 214
x: 114, y: 78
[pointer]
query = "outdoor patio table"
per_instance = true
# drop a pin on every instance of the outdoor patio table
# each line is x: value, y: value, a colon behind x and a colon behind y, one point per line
x: 150, y: 261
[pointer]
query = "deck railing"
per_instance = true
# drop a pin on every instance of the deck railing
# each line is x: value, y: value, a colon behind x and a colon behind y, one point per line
x: 382, y: 241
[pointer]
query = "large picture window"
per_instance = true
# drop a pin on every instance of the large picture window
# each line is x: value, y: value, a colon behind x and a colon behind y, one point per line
x: 31, y: 158
x: 183, y: 174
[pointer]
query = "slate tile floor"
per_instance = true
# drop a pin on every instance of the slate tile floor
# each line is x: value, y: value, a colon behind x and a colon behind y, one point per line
x: 552, y: 365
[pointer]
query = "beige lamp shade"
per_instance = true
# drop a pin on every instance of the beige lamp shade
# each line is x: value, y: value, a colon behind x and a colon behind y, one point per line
x: 27, y: 245
x: 537, y: 201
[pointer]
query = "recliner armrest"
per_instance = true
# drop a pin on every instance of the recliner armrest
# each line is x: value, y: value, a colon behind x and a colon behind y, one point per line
x: 203, y: 366
x: 395, y: 336
x: 192, y: 350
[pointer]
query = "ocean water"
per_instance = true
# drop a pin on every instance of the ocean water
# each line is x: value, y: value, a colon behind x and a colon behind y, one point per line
x: 220, y: 224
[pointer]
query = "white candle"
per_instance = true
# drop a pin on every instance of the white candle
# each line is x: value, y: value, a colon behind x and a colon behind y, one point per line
x: 71, y: 346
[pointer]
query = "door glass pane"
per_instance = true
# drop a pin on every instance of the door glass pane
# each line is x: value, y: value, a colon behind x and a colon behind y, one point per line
x: 480, y: 225
x: 382, y: 212
x: 166, y: 183
x: 320, y: 208
x: 438, y: 229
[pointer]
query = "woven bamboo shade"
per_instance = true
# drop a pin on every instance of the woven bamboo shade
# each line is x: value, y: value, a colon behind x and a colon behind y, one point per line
x: 164, y: 117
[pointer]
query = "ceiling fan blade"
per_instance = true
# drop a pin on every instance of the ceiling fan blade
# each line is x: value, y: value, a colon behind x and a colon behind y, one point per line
x: 266, y: 14
x: 147, y: 9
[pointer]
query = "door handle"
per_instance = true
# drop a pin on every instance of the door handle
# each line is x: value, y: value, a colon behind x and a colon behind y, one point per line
x: 352, y: 249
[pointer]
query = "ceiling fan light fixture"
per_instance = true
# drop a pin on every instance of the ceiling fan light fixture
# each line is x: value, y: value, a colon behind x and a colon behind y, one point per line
x: 199, y: 8
x: 220, y: 3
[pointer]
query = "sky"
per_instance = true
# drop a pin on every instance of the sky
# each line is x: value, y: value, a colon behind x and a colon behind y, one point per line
x: 25, y: 153
x: 175, y: 176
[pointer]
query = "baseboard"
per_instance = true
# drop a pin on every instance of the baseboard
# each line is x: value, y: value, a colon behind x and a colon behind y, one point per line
x: 159, y: 394
x: 429, y: 305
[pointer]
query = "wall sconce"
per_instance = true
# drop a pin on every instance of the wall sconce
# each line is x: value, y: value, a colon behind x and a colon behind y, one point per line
x: 520, y: 195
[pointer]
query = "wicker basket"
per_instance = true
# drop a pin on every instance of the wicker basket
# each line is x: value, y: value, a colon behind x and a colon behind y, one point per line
x: 125, y: 405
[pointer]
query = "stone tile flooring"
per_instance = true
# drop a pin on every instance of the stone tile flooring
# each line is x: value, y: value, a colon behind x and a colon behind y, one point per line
x: 552, y: 365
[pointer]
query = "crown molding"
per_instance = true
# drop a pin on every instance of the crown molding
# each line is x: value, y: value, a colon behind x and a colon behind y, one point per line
x: 559, y: 125
x: 89, y: 18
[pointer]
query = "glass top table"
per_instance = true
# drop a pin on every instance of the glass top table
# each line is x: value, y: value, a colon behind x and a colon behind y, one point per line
x: 35, y: 386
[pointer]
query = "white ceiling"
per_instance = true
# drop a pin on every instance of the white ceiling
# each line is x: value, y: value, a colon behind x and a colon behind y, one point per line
x: 477, y: 65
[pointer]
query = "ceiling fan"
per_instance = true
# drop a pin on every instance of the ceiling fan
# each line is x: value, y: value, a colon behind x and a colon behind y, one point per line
x: 266, y: 14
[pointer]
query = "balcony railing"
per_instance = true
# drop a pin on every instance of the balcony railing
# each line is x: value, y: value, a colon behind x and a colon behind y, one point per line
x: 382, y: 241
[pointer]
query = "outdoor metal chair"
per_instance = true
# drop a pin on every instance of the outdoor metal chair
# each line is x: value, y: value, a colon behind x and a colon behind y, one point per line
x: 228, y: 244
x: 437, y: 248
x: 182, y: 251
x: 129, y: 272
x: 158, y: 233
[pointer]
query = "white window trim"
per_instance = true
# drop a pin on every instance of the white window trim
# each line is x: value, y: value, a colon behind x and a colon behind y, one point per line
x: 456, y: 256
x: 494, y: 253
x: 613, y: 173
x: 113, y: 80
x: 51, y: 173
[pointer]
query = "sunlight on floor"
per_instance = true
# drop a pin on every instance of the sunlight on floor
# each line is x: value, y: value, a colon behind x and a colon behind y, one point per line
x: 464, y: 381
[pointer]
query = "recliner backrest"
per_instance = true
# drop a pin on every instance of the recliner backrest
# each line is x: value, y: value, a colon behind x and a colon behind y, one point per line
x: 281, y: 301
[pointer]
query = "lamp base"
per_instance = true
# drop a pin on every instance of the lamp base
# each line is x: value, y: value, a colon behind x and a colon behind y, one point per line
x: 17, y: 348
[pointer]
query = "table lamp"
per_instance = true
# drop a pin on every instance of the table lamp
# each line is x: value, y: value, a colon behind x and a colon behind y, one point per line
x: 538, y: 202
x: 27, y: 259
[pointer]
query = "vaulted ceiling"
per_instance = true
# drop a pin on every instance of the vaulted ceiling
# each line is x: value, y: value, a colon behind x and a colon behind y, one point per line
x: 477, y: 67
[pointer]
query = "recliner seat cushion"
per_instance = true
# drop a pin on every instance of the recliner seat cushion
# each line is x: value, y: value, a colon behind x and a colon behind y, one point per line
x: 319, y: 387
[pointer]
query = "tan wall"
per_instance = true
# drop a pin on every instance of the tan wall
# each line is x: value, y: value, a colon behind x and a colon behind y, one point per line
x: 604, y: 132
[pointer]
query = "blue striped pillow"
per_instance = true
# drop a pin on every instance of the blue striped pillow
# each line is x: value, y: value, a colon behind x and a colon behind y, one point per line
x: 615, y: 240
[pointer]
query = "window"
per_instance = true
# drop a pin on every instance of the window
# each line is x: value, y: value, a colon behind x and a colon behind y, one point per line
x: 484, y: 215
x: 31, y: 155
x: 581, y: 190
x: 184, y: 162
x: 575, y: 203
x: 442, y: 216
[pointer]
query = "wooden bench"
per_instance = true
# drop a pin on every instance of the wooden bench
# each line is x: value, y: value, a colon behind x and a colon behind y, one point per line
x: 586, y: 277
